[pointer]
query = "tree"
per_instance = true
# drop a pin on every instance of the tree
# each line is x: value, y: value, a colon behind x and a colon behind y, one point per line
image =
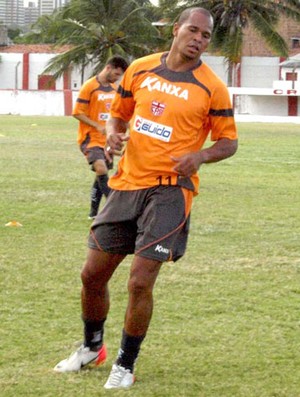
x: 46, y: 30
x: 13, y: 33
x: 233, y: 16
x: 97, y: 29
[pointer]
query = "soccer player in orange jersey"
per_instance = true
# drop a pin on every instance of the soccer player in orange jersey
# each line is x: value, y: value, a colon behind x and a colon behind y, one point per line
x: 92, y: 109
x: 172, y: 102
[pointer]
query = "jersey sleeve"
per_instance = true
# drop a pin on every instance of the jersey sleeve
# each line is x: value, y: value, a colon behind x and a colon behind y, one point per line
x: 221, y: 120
x: 83, y: 100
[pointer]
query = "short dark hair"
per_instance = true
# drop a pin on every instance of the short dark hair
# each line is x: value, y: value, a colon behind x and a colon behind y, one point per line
x: 188, y: 11
x: 117, y: 61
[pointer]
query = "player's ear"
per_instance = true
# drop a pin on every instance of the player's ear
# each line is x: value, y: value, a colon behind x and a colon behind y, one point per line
x: 175, y: 29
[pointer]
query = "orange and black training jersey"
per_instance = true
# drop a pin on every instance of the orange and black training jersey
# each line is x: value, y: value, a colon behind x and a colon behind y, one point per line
x: 170, y: 114
x: 94, y: 100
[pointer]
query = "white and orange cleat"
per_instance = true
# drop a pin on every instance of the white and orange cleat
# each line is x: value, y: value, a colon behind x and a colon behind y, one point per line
x: 81, y: 358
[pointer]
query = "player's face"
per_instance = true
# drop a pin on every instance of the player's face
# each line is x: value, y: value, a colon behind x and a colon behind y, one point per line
x: 114, y: 74
x: 193, y: 36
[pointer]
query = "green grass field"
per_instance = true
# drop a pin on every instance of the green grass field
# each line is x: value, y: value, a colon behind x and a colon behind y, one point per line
x: 227, y: 316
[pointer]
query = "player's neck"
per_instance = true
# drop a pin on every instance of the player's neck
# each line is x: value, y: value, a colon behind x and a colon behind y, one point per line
x: 102, y: 80
x: 177, y: 63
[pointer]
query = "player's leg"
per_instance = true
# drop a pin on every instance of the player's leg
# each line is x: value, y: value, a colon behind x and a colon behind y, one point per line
x: 99, y: 187
x: 143, y: 275
x: 95, y: 275
x: 101, y: 169
x: 106, y: 235
x: 166, y: 209
x: 99, y: 164
x: 96, y: 196
x: 139, y: 310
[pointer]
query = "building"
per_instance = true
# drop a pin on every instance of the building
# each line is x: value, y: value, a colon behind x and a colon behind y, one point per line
x: 2, y: 11
x: 12, y: 12
x: 60, y: 3
x: 46, y: 7
x: 288, y: 28
x: 31, y: 14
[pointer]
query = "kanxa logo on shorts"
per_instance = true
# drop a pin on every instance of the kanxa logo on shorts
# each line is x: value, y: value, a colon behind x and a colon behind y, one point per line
x: 160, y: 248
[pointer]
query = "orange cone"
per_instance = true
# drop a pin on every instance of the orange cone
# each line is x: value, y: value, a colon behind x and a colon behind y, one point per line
x: 14, y: 223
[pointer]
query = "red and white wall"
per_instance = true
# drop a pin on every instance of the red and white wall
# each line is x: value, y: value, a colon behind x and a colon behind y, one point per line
x: 261, y: 89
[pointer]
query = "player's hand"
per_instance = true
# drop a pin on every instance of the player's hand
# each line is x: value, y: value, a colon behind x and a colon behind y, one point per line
x: 187, y: 165
x: 115, y: 144
x: 100, y: 129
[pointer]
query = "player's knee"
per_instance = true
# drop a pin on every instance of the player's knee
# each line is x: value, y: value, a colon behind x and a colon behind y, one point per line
x: 92, y: 278
x: 100, y: 167
x: 85, y: 277
x: 101, y: 172
x: 88, y: 279
x: 138, y: 287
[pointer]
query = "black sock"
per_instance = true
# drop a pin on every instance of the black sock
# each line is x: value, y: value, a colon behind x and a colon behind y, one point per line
x: 93, y: 334
x: 102, y: 183
x: 96, y: 196
x: 128, y: 353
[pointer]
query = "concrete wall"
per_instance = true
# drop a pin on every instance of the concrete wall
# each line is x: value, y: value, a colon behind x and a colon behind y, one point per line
x: 259, y: 71
x: 263, y: 101
x: 253, y: 72
x: 261, y: 105
x: 262, y: 91
x: 37, y: 63
x: 11, y: 71
x: 247, y: 101
x: 217, y: 64
x: 26, y: 103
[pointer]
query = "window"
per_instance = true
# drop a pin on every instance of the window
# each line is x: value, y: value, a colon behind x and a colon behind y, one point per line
x: 290, y: 76
x: 295, y: 42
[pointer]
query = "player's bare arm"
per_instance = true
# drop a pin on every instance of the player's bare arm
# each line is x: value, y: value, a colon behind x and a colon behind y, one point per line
x: 116, y: 129
x: 188, y: 164
x: 221, y: 150
x: 85, y: 119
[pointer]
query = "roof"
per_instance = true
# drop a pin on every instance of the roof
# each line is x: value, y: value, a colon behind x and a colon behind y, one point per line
x: 34, y: 48
x: 292, y: 62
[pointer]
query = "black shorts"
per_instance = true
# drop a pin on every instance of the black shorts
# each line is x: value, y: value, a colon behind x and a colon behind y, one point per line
x: 94, y: 153
x: 153, y: 223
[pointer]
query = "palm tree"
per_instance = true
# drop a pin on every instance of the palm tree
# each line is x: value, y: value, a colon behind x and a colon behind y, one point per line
x: 46, y: 30
x: 232, y: 17
x: 97, y: 29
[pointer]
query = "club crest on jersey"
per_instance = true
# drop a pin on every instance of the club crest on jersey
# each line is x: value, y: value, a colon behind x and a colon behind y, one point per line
x: 103, y: 116
x: 150, y: 128
x: 154, y: 84
x: 157, y: 108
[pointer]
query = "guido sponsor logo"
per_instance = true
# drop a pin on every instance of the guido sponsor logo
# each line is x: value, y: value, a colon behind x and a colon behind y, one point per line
x: 155, y: 130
